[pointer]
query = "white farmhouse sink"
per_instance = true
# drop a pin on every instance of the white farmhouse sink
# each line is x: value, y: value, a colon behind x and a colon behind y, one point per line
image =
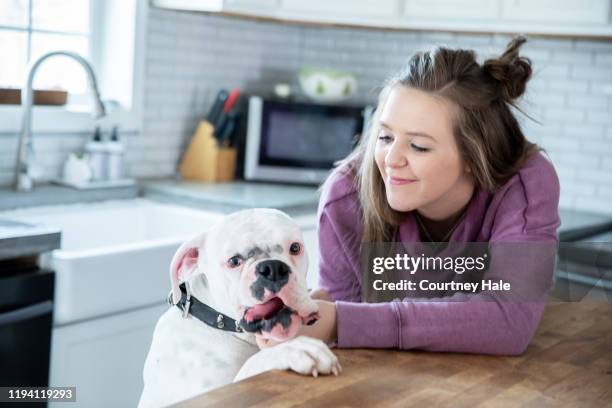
x: 115, y: 255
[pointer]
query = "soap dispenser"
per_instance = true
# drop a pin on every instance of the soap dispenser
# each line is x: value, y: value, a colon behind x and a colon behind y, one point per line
x: 97, y: 156
x: 115, y: 151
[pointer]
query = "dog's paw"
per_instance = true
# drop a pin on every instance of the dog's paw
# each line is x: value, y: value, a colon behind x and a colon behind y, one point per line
x: 308, y: 356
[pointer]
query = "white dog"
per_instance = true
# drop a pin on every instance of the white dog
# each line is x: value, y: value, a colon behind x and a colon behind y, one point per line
x: 245, y: 276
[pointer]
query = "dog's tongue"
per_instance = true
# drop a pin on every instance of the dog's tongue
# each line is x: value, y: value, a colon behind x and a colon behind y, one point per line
x: 264, y: 310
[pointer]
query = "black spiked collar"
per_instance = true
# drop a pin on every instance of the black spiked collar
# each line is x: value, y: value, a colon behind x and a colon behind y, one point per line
x: 201, y: 311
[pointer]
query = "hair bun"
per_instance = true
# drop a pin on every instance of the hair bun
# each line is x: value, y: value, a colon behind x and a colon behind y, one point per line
x: 511, y: 70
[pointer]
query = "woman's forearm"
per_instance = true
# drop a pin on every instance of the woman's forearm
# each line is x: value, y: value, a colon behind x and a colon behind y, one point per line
x: 325, y: 328
x: 474, y: 327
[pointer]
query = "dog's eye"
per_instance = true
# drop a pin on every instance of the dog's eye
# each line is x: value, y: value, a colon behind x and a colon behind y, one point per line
x: 295, y: 248
x: 235, y: 261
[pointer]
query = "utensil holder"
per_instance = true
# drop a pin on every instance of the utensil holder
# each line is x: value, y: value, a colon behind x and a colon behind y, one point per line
x: 205, y: 160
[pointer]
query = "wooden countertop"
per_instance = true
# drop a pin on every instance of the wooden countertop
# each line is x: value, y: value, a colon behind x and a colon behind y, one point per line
x: 568, y: 363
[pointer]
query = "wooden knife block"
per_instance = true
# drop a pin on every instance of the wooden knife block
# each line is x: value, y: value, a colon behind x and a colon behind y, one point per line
x: 205, y: 160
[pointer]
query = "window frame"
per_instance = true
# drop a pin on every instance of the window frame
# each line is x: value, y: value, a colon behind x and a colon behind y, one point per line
x: 77, y: 118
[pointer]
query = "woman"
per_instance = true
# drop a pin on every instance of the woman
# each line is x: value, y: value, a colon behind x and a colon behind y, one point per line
x: 444, y: 160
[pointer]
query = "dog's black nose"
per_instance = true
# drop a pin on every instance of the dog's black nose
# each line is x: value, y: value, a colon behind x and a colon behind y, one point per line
x: 273, y: 270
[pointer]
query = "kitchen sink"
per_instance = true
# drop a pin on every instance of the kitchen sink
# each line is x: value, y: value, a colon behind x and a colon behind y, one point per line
x: 114, y: 255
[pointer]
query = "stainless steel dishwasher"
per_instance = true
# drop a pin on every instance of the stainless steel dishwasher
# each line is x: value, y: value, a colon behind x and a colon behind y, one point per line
x: 26, y: 305
x: 26, y: 317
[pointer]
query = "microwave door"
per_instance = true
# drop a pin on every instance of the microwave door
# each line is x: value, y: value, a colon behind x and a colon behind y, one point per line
x: 298, y: 142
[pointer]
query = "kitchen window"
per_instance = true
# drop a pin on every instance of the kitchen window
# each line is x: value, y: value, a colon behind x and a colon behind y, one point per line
x: 31, y: 28
x: 106, y: 32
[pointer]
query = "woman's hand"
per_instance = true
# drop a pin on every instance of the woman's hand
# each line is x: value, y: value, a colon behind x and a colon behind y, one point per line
x: 324, y: 329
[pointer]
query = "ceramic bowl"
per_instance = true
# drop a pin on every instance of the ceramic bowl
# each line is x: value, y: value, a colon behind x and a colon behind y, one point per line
x: 327, y: 85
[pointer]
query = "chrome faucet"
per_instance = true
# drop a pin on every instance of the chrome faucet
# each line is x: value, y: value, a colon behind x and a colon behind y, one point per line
x: 25, y: 150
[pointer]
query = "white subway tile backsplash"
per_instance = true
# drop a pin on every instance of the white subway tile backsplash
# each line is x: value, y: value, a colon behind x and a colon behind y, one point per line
x: 568, y: 85
x: 599, y: 117
x: 600, y: 87
x: 566, y: 200
x: 588, y: 101
x: 7, y: 177
x: 551, y: 70
x: 573, y: 57
x: 592, y: 204
x: 595, y: 177
x: 572, y: 188
x: 595, y: 147
x: 605, y: 191
x: 573, y: 159
x: 536, y: 55
x: 134, y: 156
x: 550, y: 43
x: 591, y: 72
x: 547, y: 98
x: 566, y: 174
x: 8, y: 143
x: 52, y: 160
x: 563, y: 115
x: 559, y: 143
x: 594, y: 45
x: 603, y: 58
x: 161, y: 156
x: 7, y: 160
x: 143, y: 170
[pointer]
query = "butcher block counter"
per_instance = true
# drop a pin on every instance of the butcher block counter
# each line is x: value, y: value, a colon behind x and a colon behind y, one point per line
x: 568, y: 363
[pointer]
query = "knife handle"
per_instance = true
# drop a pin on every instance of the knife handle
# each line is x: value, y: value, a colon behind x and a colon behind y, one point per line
x: 221, y: 124
x: 225, y: 137
x: 217, y: 107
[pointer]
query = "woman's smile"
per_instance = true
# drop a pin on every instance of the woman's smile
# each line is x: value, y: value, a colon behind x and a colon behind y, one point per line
x: 398, y: 181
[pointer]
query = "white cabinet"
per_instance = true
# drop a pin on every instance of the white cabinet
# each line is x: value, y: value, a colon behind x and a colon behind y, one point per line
x: 195, y: 5
x: 511, y: 11
x: 557, y: 11
x: 456, y: 10
x: 251, y: 4
x: 103, y: 358
x: 341, y: 9
x: 262, y: 8
x: 561, y: 17
x: 550, y: 17
x: 317, y: 11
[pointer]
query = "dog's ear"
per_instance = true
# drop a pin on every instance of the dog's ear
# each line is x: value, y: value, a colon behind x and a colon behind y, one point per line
x: 184, y: 262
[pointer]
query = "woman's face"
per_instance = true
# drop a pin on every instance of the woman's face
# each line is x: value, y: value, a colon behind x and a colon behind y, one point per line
x: 417, y: 155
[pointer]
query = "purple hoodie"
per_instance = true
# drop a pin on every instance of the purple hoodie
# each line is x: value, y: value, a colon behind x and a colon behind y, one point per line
x: 525, y: 209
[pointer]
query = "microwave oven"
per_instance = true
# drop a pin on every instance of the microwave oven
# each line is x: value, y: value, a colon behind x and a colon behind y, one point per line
x: 298, y: 142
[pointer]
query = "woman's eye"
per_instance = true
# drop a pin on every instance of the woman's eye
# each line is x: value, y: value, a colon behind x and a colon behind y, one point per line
x: 418, y: 148
x: 234, y: 262
x: 295, y: 248
x: 384, y: 138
